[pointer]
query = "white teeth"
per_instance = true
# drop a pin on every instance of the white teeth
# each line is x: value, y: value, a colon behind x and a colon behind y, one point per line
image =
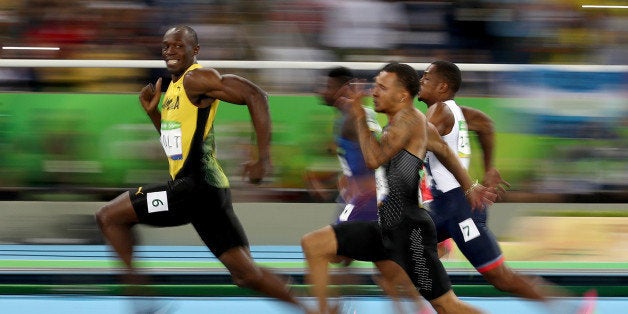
x: 172, y: 62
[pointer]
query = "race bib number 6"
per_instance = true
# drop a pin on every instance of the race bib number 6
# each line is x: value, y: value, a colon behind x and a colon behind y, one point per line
x: 157, y: 201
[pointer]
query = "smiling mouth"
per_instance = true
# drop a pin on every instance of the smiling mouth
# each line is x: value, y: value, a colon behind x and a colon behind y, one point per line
x: 172, y: 62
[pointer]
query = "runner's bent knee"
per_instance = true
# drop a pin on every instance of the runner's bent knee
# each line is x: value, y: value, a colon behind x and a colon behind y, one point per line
x: 116, y: 212
x: 319, y: 242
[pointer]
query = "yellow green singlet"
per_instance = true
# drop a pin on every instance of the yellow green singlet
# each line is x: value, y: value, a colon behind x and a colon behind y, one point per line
x: 187, y: 136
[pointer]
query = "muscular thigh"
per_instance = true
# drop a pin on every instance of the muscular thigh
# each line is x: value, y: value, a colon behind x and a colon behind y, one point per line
x: 412, y: 244
x: 470, y: 231
x: 216, y: 222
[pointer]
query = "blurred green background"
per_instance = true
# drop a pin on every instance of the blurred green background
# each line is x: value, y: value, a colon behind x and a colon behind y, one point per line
x: 105, y: 140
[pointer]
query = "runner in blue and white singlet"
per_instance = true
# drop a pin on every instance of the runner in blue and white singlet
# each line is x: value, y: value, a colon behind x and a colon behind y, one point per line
x: 361, y: 199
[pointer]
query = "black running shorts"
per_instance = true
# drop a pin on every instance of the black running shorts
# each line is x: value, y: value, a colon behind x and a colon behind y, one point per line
x: 185, y: 200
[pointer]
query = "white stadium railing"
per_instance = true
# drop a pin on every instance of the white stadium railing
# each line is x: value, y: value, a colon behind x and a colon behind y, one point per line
x: 303, y: 65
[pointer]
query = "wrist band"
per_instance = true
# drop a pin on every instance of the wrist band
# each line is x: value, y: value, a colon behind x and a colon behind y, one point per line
x: 466, y: 193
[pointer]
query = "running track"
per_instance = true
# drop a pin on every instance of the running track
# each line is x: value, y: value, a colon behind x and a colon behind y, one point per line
x: 188, y: 279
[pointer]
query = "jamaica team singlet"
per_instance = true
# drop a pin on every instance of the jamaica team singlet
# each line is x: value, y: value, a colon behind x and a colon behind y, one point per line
x: 187, y: 136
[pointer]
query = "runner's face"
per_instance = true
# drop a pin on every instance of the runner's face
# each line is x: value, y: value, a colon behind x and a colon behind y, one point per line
x: 329, y: 91
x: 386, y: 92
x: 178, y: 51
x: 429, y: 82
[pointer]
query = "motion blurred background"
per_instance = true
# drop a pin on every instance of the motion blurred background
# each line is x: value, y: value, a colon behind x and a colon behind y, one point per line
x: 79, y: 134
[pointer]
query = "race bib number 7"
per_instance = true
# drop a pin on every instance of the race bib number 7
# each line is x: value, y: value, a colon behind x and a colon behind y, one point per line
x: 469, y: 229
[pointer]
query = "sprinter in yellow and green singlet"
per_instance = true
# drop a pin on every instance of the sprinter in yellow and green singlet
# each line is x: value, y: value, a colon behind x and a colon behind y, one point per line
x: 198, y: 192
